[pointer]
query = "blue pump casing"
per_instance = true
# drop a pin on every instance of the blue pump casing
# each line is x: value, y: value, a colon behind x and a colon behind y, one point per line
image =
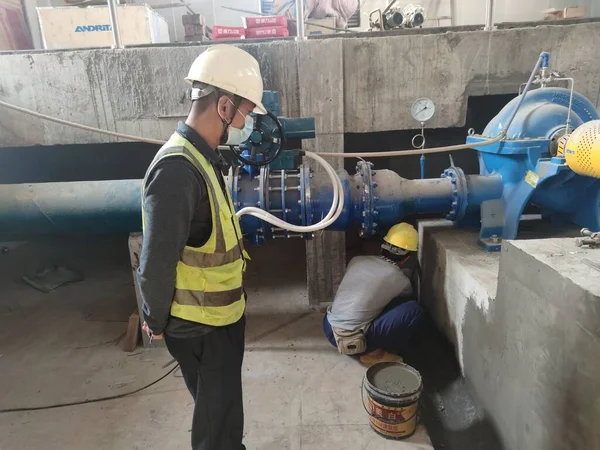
x: 528, y: 170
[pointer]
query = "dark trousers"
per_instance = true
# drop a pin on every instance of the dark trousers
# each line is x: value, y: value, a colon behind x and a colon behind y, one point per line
x: 212, y: 369
x: 391, y: 330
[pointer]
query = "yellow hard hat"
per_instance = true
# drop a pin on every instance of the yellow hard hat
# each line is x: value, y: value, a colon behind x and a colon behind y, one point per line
x: 231, y: 69
x: 403, y: 235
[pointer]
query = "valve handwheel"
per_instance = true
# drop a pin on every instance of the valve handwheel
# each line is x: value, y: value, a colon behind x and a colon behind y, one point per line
x: 267, y: 139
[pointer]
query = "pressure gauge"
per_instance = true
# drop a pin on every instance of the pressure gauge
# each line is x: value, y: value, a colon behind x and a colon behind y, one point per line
x: 422, y: 109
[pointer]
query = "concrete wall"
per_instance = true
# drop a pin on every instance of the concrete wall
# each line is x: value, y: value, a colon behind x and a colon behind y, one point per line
x: 140, y: 90
x: 524, y: 324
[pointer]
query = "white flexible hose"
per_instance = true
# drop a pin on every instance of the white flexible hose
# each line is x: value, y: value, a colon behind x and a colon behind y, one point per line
x: 78, y: 125
x: 449, y: 148
x: 128, y: 137
x: 337, y: 206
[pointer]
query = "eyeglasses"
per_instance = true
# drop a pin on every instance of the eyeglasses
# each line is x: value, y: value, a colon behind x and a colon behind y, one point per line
x: 244, y: 116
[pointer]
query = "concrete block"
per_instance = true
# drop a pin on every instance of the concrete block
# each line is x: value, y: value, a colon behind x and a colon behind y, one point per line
x: 537, y: 364
x: 524, y: 323
x: 457, y: 274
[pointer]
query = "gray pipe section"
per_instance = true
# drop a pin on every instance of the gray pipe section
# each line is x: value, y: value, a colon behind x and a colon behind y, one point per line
x: 489, y: 15
x: 90, y: 207
x: 300, y: 27
x: 114, y: 23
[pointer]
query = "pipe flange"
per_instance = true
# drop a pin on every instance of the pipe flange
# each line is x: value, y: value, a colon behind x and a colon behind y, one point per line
x: 368, y: 198
x: 306, y: 209
x: 458, y: 181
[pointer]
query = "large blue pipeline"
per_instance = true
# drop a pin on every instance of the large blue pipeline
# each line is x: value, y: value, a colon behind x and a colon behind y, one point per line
x: 522, y: 168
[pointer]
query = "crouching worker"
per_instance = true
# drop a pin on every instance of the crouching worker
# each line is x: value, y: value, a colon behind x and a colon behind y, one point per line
x: 374, y: 313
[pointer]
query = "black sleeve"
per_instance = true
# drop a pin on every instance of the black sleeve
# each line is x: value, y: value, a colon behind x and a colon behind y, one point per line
x: 173, y: 193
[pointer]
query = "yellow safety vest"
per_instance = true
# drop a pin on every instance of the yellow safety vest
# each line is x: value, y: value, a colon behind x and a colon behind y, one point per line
x: 208, y: 286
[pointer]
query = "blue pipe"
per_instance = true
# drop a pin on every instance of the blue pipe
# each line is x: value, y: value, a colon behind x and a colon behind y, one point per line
x: 91, y: 207
x: 113, y: 207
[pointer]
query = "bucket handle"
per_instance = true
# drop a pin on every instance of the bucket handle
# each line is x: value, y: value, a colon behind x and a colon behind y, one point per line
x: 382, y: 419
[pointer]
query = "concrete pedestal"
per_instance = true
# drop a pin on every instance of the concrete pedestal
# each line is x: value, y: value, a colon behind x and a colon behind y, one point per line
x: 525, y: 323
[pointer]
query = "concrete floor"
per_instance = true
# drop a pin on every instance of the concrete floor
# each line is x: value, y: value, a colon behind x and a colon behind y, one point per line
x: 60, y: 347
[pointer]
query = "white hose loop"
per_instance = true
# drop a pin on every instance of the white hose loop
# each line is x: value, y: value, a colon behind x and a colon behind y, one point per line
x: 337, y: 206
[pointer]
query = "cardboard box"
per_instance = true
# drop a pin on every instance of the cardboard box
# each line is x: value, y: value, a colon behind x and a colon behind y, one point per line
x: 267, y: 32
x: 223, y: 32
x: 192, y: 18
x: 193, y: 29
x: 74, y: 27
x: 312, y: 30
x: 265, y: 21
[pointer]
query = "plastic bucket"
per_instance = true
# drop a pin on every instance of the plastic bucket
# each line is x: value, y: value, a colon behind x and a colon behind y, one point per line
x: 393, y: 391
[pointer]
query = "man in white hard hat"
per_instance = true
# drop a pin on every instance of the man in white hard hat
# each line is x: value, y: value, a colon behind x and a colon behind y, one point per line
x: 193, y: 259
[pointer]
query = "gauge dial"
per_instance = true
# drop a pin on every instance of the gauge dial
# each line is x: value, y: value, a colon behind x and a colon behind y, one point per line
x: 422, y: 109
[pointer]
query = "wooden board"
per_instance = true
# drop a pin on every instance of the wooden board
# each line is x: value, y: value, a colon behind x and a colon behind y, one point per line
x: 133, y: 332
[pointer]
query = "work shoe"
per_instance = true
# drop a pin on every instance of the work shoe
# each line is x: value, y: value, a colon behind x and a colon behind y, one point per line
x: 377, y: 356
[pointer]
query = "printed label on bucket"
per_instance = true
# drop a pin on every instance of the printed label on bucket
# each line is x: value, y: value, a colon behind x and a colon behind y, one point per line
x: 393, y: 421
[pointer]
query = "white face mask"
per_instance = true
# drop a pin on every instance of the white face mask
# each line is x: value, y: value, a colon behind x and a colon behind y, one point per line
x: 236, y: 136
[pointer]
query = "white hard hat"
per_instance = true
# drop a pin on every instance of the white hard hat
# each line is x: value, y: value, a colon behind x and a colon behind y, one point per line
x: 231, y: 69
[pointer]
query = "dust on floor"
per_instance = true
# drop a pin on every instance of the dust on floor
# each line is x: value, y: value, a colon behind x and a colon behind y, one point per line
x: 61, y: 347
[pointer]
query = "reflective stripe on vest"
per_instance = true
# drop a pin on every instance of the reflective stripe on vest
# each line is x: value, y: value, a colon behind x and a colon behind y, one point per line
x: 208, y: 285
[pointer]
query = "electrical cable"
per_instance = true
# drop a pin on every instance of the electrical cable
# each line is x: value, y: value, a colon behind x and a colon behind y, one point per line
x: 94, y: 400
x: 338, y: 155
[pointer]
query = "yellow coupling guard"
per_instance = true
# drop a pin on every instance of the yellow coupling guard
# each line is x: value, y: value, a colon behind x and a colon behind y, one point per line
x: 582, y: 149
